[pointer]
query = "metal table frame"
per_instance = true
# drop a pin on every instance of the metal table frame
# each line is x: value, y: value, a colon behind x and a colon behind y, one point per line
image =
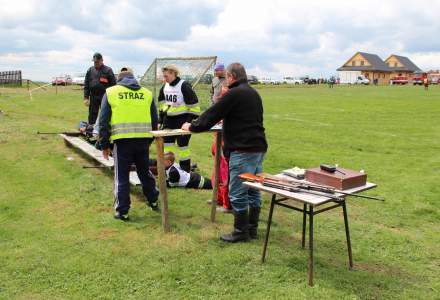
x: 310, y: 209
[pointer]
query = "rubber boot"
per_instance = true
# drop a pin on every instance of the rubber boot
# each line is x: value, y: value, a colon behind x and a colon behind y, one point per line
x: 254, y: 217
x: 241, y: 228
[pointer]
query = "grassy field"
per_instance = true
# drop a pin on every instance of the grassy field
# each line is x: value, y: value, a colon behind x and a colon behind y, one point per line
x: 58, y: 239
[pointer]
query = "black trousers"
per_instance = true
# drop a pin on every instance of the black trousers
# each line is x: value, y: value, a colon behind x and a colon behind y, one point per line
x: 125, y: 153
x: 95, y: 105
x: 182, y: 151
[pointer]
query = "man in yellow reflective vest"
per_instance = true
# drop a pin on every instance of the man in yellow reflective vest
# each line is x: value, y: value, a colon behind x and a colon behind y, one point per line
x: 178, y: 103
x: 128, y: 114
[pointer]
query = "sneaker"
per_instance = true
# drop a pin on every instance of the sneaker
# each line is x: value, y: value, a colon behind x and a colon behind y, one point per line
x: 223, y: 210
x: 153, y: 205
x: 209, y: 202
x: 122, y: 217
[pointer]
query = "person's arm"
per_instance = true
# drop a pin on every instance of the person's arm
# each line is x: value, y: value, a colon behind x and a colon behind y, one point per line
x: 104, y: 123
x: 161, y: 103
x: 191, y: 100
x: 211, y: 91
x: 213, y: 114
x: 174, y: 175
x: 86, y: 85
x: 154, y: 118
x: 111, y: 78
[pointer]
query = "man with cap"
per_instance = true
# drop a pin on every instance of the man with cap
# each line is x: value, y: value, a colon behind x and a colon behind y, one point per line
x: 98, y: 78
x: 178, y: 103
x: 218, y: 82
x: 128, y: 114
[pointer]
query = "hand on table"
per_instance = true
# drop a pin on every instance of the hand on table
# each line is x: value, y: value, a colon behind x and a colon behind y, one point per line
x: 186, y: 126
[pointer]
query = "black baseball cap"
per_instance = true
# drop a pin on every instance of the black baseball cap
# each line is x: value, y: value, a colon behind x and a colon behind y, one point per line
x: 97, y: 56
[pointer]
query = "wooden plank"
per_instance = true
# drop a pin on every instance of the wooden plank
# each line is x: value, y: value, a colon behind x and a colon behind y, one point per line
x: 96, y: 154
x: 169, y: 132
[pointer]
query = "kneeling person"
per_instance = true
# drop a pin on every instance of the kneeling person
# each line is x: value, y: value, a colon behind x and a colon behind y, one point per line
x: 128, y: 114
x: 177, y: 177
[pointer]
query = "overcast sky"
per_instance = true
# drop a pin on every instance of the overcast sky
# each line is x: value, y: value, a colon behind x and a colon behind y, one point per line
x: 271, y: 37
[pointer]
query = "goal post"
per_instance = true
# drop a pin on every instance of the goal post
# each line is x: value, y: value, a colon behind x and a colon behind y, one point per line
x: 198, y: 71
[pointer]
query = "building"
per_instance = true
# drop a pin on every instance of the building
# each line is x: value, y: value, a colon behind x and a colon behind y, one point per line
x: 401, y: 66
x: 371, y: 66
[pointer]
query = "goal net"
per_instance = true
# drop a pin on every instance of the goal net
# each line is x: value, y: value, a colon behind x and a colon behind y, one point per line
x: 198, y: 71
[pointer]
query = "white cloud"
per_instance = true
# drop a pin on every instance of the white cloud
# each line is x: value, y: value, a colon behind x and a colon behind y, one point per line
x: 273, y: 38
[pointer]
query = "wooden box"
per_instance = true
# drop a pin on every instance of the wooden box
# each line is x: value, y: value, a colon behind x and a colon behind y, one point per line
x: 351, y: 179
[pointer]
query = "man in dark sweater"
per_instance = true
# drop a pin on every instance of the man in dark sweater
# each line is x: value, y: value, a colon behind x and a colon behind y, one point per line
x: 241, y: 110
x: 99, y: 77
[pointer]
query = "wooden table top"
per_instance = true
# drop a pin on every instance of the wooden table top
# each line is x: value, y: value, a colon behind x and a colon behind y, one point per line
x: 303, y: 197
x: 177, y: 132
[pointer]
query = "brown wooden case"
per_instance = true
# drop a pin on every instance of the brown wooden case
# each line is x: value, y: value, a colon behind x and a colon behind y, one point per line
x: 351, y: 179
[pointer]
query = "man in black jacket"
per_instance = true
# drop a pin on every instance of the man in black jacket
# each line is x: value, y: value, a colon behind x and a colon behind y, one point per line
x: 99, y: 77
x: 241, y: 110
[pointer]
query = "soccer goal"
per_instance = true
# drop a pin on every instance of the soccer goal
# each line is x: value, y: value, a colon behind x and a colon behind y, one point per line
x: 196, y: 70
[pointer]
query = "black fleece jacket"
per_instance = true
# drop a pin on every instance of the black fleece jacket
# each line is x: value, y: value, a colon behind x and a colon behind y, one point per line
x: 241, y: 110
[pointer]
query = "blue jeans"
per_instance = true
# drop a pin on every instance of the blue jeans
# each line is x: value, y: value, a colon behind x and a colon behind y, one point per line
x: 242, y: 197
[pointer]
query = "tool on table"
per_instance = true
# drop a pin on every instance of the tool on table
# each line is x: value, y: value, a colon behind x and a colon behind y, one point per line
x: 298, y: 185
x: 330, y: 169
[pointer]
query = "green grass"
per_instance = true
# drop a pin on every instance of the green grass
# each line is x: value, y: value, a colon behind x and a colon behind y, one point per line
x: 58, y: 238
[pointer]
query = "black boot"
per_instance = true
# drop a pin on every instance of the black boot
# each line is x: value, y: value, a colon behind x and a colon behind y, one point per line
x: 254, y: 217
x: 241, y: 230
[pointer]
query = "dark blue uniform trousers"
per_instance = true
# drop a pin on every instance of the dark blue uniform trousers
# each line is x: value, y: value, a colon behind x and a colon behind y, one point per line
x: 125, y: 153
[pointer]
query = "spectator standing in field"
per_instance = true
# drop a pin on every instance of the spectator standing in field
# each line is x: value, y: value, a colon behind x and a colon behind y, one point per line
x: 98, y: 78
x: 217, y: 82
x: 245, y: 145
x: 223, y: 173
x: 426, y: 83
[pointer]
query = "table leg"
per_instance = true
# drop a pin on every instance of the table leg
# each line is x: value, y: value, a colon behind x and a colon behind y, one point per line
x: 162, y: 183
x: 303, y: 238
x: 347, y: 234
x: 310, y: 268
x: 218, y: 153
x: 269, y: 222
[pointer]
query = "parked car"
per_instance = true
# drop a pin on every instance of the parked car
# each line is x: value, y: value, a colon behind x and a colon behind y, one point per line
x: 434, y: 80
x: 308, y: 80
x: 275, y: 81
x: 79, y: 78
x: 268, y: 80
x: 62, y: 80
x: 402, y: 80
x: 418, y: 79
x: 252, y: 79
x: 362, y: 80
x: 292, y: 80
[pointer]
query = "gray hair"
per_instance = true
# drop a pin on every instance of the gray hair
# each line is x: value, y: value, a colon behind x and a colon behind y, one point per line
x: 237, y: 71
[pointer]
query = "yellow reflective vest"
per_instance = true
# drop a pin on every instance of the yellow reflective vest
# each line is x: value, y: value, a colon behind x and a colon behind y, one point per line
x: 131, y: 117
